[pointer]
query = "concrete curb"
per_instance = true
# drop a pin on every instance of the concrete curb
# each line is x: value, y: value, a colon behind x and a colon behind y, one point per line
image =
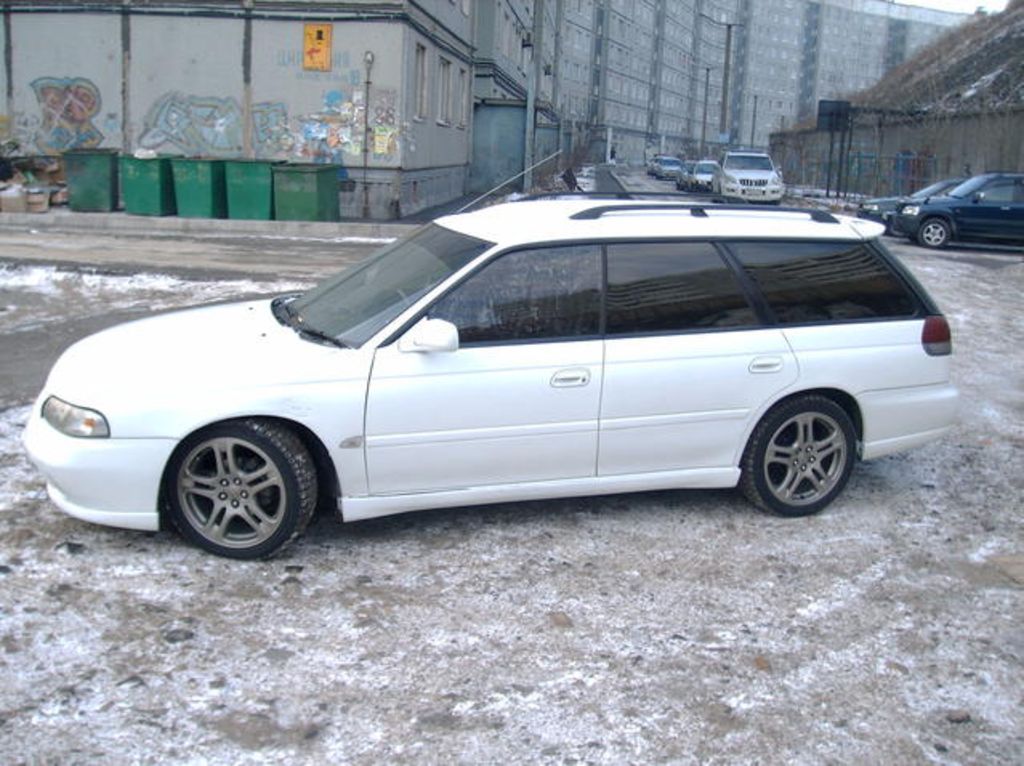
x: 62, y: 219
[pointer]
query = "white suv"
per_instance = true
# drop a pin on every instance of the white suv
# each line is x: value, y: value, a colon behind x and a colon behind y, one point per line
x: 748, y: 176
x: 530, y: 350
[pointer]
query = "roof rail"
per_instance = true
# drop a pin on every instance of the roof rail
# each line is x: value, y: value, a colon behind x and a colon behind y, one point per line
x: 616, y: 195
x: 700, y: 211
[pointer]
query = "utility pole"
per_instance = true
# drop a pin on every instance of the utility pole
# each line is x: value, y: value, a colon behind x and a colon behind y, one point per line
x: 753, y: 122
x: 723, y: 119
x: 704, y: 124
x: 532, y: 87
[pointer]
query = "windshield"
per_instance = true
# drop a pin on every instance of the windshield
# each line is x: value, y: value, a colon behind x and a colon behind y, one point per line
x: 360, y: 301
x: 706, y: 167
x: 671, y: 163
x: 934, y: 189
x: 968, y: 187
x: 747, y: 162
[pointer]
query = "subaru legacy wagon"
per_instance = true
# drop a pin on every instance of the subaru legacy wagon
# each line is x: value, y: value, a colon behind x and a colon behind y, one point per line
x: 538, y: 349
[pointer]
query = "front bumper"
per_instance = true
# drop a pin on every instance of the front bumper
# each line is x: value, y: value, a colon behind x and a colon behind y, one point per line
x: 754, y: 193
x: 904, y: 225
x: 115, y: 482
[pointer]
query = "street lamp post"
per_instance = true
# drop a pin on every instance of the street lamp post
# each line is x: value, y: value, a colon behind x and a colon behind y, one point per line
x: 368, y: 60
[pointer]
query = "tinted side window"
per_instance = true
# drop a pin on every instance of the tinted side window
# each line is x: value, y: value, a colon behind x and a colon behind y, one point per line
x: 666, y: 287
x: 822, y: 281
x: 551, y: 292
x: 999, y: 191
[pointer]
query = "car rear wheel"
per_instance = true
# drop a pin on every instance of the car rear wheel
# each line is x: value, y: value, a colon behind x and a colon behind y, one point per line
x: 242, y: 489
x: 799, y: 457
x: 934, y: 233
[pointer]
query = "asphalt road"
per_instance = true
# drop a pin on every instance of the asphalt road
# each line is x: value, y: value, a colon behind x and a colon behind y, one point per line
x: 680, y: 627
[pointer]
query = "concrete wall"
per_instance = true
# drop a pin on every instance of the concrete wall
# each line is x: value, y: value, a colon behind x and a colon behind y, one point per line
x: 71, y: 100
x: 190, y: 89
x: 185, y: 86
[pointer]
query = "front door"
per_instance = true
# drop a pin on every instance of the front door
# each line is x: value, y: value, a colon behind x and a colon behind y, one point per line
x: 517, y: 402
x: 993, y: 213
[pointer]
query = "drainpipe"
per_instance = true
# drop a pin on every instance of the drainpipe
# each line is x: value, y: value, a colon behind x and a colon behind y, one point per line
x: 368, y: 60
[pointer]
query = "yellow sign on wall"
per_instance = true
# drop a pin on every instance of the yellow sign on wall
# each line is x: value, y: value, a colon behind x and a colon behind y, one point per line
x: 316, y: 48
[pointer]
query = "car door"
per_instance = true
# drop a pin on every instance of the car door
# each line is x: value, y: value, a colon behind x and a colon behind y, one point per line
x: 516, y: 402
x: 990, y: 213
x: 687, y: 361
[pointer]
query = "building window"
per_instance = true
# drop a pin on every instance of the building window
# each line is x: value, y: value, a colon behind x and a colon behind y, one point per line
x: 444, y: 91
x: 421, y: 82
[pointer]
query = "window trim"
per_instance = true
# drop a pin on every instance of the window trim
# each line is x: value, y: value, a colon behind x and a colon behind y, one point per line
x: 924, y: 306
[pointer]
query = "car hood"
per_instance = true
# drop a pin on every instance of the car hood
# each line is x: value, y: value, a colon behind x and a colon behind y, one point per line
x: 766, y: 175
x: 230, y: 346
x: 885, y: 201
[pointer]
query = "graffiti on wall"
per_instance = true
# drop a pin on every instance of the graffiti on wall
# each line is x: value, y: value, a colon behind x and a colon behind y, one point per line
x: 332, y: 134
x: 194, y: 125
x: 68, y: 106
x: 213, y: 126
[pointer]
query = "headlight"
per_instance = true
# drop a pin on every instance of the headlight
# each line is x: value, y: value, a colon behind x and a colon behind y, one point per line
x: 74, y: 421
x: 911, y: 210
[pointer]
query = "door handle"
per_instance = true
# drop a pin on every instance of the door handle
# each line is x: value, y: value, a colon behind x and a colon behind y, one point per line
x: 765, y: 364
x: 570, y: 378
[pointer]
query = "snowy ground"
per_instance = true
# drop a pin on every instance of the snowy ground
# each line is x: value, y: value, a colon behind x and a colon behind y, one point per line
x: 678, y: 627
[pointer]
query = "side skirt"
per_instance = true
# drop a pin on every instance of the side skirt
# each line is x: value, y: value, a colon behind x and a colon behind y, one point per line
x: 357, y: 508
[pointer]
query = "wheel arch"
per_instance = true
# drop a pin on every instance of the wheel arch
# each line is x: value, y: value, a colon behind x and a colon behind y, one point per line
x: 843, y: 399
x: 328, y: 482
x: 943, y: 216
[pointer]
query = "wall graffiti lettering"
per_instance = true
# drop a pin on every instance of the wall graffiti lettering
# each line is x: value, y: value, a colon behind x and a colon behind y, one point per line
x: 68, y: 106
x: 194, y: 125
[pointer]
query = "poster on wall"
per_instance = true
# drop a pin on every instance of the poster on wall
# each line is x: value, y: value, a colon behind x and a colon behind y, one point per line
x: 316, y: 48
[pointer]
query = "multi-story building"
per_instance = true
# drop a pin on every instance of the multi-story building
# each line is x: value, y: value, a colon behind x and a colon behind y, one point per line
x: 791, y: 53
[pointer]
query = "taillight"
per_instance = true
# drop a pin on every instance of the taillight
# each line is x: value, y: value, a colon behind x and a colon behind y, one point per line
x: 935, y: 336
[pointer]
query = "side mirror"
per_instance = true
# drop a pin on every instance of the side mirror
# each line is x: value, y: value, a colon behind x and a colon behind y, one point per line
x: 430, y: 335
x: 979, y: 197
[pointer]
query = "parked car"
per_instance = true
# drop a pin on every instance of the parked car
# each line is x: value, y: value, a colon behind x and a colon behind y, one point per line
x: 703, y: 177
x: 668, y: 168
x: 684, y: 181
x: 882, y: 209
x: 529, y: 350
x: 985, y: 208
x: 749, y: 176
x: 652, y: 163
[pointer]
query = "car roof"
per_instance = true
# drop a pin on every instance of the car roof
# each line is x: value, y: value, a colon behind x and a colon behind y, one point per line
x: 536, y: 221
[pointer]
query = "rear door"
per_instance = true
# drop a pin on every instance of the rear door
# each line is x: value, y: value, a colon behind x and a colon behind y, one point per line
x: 687, y: 361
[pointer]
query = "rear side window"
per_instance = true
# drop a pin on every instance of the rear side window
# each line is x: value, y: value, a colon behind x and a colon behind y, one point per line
x: 672, y: 287
x: 824, y: 281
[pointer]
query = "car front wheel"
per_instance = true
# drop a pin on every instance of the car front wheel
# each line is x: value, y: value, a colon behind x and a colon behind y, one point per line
x: 934, y: 233
x: 799, y: 457
x: 242, y: 489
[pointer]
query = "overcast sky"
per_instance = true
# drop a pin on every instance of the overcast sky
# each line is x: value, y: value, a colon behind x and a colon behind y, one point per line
x: 960, y: 6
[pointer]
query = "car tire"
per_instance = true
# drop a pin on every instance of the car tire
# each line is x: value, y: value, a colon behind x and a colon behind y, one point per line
x: 799, y: 457
x: 243, y: 489
x: 934, y: 233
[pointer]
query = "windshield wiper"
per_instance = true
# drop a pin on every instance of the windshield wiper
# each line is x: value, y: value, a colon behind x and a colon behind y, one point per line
x: 311, y: 333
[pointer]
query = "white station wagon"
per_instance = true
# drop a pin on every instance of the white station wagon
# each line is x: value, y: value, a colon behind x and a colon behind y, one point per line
x: 539, y: 349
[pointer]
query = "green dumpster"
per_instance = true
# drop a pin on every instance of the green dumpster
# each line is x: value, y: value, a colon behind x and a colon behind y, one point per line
x: 250, y: 189
x: 199, y: 190
x: 92, y: 179
x: 306, y: 192
x: 147, y: 185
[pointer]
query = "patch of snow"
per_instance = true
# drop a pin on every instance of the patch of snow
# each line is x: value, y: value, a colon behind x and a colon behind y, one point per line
x: 18, y: 479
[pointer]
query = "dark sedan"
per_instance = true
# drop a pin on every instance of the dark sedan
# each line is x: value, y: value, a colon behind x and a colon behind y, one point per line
x: 989, y: 207
x: 882, y: 209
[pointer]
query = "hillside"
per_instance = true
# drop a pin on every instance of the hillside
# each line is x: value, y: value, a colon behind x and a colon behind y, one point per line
x: 977, y: 66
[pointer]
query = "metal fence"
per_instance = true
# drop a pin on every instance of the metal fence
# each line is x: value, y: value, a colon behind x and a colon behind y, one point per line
x: 865, y: 173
